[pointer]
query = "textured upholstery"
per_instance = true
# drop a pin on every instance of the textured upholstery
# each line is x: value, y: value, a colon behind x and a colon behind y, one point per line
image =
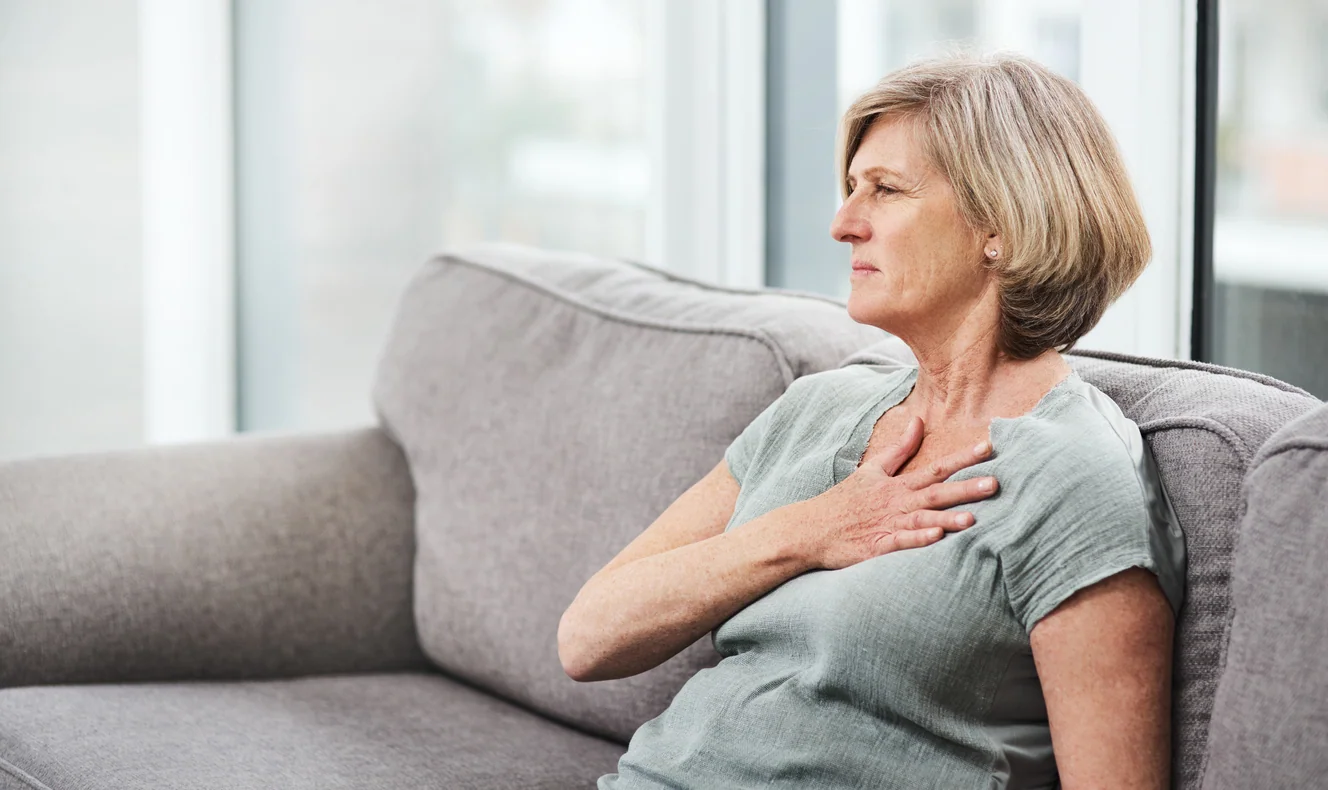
x: 551, y: 407
x: 253, y: 557
x: 326, y: 733
x: 1270, y: 720
x: 1203, y: 424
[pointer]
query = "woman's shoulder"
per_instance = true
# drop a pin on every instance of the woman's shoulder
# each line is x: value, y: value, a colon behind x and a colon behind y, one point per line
x: 1093, y: 494
x: 1078, y: 422
x: 1078, y: 449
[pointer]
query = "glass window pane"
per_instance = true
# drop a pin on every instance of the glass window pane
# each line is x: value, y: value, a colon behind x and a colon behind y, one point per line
x: 70, y: 277
x: 373, y: 135
x: 879, y: 36
x: 1270, y: 237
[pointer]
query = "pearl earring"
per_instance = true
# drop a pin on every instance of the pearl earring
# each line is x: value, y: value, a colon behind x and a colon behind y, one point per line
x: 992, y: 253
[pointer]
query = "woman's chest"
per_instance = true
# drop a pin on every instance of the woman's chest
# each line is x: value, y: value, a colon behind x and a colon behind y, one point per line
x: 936, y: 445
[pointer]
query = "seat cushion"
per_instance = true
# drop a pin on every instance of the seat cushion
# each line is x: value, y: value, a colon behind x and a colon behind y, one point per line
x: 1204, y: 424
x: 349, y: 731
x: 1270, y: 719
x: 550, y: 407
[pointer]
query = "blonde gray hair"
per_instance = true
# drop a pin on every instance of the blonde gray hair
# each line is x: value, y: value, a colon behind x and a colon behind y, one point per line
x: 1029, y: 157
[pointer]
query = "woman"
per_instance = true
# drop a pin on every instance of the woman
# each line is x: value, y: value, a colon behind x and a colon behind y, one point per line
x: 873, y: 636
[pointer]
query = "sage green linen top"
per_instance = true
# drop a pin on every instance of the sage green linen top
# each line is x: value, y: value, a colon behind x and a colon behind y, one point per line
x: 913, y: 669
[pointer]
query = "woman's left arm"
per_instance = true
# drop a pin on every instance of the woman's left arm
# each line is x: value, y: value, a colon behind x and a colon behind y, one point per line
x: 1104, y: 660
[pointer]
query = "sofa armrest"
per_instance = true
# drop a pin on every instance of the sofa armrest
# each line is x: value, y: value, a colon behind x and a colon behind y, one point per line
x: 245, y: 558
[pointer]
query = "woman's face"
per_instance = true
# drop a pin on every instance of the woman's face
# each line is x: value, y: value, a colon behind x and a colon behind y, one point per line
x: 918, y: 269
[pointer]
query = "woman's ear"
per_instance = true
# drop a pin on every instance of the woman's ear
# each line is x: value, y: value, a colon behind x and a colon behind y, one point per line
x: 991, y: 247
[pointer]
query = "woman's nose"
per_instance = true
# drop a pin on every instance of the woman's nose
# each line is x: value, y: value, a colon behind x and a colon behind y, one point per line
x: 848, y: 225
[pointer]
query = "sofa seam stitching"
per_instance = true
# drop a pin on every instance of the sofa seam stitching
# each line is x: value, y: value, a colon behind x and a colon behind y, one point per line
x: 1291, y: 446
x: 758, y: 335
x: 1186, y: 364
x: 1244, y: 457
x: 460, y: 253
x: 1220, y: 429
x: 21, y: 775
x: 731, y: 289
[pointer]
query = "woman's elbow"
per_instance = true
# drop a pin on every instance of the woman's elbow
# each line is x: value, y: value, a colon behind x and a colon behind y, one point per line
x: 571, y: 653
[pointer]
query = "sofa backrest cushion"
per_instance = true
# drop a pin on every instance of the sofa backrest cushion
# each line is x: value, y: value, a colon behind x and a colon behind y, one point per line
x: 1270, y: 719
x: 1203, y: 424
x: 550, y: 407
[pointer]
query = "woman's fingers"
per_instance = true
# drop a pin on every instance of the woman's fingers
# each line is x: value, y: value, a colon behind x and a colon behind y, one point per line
x: 942, y: 495
x: 924, y: 527
x: 897, y: 454
x: 933, y: 519
x: 938, y: 471
x: 913, y: 538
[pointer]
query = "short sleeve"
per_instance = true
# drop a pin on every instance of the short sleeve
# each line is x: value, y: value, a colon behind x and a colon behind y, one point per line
x: 1097, y: 516
x: 769, y: 425
x: 742, y: 451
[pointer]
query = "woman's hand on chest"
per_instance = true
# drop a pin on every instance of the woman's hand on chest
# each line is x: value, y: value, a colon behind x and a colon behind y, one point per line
x: 877, y: 509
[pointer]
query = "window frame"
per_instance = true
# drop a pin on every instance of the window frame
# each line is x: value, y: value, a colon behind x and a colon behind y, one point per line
x: 1204, y: 163
x: 707, y: 215
x: 188, y: 226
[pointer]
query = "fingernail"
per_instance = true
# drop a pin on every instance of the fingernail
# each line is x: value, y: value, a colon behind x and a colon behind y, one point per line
x: 981, y: 448
x: 985, y: 484
x: 961, y: 520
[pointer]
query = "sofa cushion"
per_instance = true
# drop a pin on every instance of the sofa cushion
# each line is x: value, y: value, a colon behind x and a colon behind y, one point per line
x: 350, y: 731
x: 550, y: 407
x: 1269, y: 723
x: 1203, y: 424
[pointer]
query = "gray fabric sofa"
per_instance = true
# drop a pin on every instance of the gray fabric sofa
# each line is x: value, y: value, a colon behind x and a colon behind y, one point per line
x: 378, y: 607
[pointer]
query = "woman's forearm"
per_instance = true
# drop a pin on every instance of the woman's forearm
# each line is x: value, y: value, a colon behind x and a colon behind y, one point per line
x: 635, y: 617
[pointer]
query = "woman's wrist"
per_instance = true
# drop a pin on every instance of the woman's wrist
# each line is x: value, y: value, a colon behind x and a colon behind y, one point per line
x: 782, y: 539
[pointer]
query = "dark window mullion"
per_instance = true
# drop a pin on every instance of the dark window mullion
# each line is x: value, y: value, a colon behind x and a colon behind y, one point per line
x: 1205, y: 182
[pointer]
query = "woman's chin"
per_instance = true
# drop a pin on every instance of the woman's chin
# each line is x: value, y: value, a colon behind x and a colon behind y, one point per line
x: 867, y: 306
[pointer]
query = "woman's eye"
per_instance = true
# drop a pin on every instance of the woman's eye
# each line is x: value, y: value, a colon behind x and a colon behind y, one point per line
x: 885, y: 189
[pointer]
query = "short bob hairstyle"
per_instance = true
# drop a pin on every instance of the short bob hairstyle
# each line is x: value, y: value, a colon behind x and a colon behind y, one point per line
x: 1029, y: 157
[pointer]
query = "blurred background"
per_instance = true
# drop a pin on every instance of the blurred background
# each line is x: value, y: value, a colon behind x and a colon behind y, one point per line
x: 209, y: 208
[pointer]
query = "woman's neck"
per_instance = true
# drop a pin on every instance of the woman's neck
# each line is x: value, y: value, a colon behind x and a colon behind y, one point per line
x: 969, y: 386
